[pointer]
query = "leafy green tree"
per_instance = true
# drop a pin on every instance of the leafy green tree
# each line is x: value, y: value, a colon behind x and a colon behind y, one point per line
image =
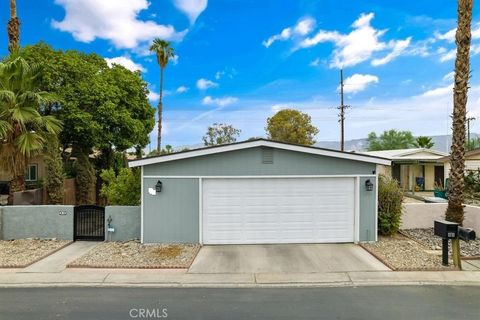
x: 423, y: 142
x: 164, y: 53
x: 390, y: 140
x: 85, y: 181
x: 23, y: 130
x: 54, y: 171
x: 122, y: 189
x: 104, y: 109
x: 291, y: 126
x: 220, y: 133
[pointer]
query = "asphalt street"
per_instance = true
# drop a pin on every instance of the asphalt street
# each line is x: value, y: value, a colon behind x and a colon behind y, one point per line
x: 391, y: 303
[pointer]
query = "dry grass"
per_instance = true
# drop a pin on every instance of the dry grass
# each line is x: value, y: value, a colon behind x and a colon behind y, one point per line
x: 133, y: 254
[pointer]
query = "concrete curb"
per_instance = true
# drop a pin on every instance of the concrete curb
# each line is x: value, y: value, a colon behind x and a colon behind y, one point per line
x: 265, y: 280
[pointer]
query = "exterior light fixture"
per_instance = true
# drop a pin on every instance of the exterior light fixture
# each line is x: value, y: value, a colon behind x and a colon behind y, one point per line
x: 158, y: 186
x: 368, y: 185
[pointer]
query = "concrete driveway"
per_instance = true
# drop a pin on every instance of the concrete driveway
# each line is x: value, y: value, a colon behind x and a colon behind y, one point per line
x: 289, y: 258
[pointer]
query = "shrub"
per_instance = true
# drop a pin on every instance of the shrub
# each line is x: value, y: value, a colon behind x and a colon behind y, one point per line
x: 122, y: 189
x: 390, y: 198
x: 472, y: 182
x: 54, y: 168
x: 85, y: 179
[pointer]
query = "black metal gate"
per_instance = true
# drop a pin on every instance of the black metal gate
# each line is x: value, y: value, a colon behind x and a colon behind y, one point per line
x: 89, y: 223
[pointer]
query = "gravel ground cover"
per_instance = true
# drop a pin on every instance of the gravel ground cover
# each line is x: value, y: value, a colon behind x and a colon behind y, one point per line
x: 133, y: 254
x: 403, y: 254
x: 429, y: 240
x: 23, y: 252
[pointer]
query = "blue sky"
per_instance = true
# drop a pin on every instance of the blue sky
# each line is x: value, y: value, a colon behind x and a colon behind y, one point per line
x: 240, y: 61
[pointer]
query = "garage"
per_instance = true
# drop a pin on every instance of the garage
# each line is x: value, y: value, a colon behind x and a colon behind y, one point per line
x: 259, y: 192
x: 283, y: 210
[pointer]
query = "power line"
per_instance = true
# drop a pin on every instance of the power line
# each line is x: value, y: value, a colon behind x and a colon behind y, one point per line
x: 341, y: 115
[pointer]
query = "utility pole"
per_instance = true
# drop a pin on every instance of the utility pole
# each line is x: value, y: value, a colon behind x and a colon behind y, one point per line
x: 468, y: 128
x: 341, y: 115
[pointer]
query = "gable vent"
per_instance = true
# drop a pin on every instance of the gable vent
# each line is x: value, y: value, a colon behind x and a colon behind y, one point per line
x: 267, y: 155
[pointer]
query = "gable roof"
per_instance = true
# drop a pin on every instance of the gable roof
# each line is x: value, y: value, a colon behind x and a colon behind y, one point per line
x: 408, y: 154
x: 257, y: 143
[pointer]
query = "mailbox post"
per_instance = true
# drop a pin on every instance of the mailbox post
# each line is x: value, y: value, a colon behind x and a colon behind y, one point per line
x: 446, y: 230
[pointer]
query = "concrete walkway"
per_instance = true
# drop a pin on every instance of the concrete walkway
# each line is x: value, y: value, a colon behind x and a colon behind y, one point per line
x: 58, y: 261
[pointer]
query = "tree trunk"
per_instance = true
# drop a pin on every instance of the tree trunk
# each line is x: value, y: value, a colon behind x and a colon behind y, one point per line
x: 13, y: 28
x: 160, y: 112
x: 455, y: 211
x: 16, y: 184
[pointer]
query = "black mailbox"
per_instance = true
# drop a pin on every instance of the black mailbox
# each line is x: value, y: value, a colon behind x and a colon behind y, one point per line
x: 445, y: 229
x: 466, y: 234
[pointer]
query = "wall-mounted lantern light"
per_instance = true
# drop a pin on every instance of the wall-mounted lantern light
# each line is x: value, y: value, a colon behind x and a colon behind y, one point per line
x: 158, y: 186
x: 368, y: 185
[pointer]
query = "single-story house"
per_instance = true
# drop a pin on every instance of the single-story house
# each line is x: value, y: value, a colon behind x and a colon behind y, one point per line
x: 472, y: 162
x: 416, y: 169
x: 258, y: 192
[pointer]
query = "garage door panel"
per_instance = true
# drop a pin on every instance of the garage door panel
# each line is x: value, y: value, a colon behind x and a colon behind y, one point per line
x: 271, y: 210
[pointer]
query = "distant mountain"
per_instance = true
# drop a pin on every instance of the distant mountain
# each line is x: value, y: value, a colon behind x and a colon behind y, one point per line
x: 442, y: 143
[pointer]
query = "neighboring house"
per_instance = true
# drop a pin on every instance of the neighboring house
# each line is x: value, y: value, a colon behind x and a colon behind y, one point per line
x: 472, y: 161
x: 259, y: 191
x: 35, y: 171
x: 415, y: 169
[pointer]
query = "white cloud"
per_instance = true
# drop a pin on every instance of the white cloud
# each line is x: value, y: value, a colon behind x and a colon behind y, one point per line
x: 302, y: 28
x: 449, y: 76
x: 174, y: 59
x: 359, y: 45
x: 181, y: 89
x: 227, y: 72
x: 116, y: 21
x: 438, y: 92
x: 153, y: 96
x: 449, y: 55
x: 204, y: 84
x: 280, y: 106
x: 359, y: 82
x: 398, y: 47
x: 447, y: 36
x: 126, y: 62
x: 192, y: 8
x: 315, y: 62
x: 220, y: 102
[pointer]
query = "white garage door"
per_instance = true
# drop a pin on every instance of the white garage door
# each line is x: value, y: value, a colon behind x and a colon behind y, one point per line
x: 278, y: 210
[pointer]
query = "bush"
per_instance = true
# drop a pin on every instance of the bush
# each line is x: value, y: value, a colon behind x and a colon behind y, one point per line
x: 122, y: 189
x: 390, y: 198
x: 472, y: 183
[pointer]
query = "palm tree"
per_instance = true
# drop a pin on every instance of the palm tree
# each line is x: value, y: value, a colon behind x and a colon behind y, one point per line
x: 23, y: 130
x: 164, y: 52
x: 423, y: 142
x: 462, y: 73
x: 13, y: 28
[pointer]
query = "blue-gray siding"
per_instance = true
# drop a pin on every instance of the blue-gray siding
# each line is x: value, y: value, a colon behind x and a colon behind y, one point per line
x: 249, y: 162
x: 173, y: 215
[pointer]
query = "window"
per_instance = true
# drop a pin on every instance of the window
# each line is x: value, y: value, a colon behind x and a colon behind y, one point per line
x: 31, y: 174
